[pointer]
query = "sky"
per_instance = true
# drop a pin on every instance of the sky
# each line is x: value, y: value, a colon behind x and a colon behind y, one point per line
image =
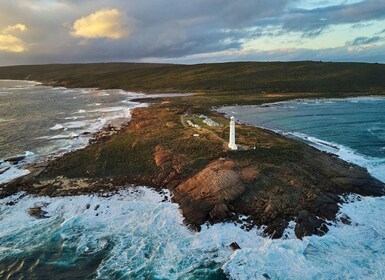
x: 190, y: 31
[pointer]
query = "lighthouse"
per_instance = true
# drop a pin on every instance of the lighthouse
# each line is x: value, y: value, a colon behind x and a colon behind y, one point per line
x: 232, y: 144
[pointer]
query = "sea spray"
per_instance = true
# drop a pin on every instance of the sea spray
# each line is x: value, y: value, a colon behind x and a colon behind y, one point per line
x: 131, y: 234
x: 138, y: 233
x: 352, y: 251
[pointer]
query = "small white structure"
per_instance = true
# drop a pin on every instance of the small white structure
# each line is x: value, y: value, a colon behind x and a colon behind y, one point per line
x: 232, y: 144
x: 197, y: 126
x: 210, y: 122
x: 190, y: 123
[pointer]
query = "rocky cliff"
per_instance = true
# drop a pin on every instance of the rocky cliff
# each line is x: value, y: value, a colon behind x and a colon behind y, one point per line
x: 307, y: 190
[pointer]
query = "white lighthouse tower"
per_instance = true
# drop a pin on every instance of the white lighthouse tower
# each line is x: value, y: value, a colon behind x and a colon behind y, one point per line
x: 232, y: 144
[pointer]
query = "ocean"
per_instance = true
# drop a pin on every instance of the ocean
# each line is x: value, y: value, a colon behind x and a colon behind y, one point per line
x: 138, y: 233
x: 41, y: 122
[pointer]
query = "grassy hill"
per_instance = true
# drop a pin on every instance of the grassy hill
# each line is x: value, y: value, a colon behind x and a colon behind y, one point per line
x: 235, y: 77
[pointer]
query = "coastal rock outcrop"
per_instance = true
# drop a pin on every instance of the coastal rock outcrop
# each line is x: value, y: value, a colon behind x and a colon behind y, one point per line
x: 307, y: 224
x: 208, y: 194
x: 307, y: 190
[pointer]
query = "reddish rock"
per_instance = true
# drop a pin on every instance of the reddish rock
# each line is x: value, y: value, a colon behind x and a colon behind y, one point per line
x: 206, y: 194
x: 249, y: 174
x: 161, y: 156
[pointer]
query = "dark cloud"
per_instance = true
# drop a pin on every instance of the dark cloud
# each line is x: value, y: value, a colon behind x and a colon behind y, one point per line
x: 359, y: 41
x: 315, y: 21
x: 172, y: 29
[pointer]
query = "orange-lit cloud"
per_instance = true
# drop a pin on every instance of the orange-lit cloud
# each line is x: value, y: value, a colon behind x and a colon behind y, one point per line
x: 16, y: 27
x: 106, y: 23
x: 9, y: 42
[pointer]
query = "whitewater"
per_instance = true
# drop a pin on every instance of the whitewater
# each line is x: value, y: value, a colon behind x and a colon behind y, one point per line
x: 40, y: 122
x: 138, y: 233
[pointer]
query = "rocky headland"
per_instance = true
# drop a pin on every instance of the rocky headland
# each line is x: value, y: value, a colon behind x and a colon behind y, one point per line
x: 278, y: 181
x: 271, y: 181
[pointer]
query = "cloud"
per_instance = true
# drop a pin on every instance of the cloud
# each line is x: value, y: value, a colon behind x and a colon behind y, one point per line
x: 106, y: 23
x: 359, y: 41
x: 10, y: 42
x: 61, y: 31
x: 313, y: 22
x: 16, y: 27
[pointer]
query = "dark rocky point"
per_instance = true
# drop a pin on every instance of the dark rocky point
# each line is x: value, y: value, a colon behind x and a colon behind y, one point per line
x: 38, y: 212
x: 234, y: 246
x: 15, y: 159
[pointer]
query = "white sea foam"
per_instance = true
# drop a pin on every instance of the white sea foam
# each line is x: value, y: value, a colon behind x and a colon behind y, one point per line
x: 109, y: 109
x: 11, y: 172
x: 345, y: 252
x: 104, y: 94
x: 57, y: 127
x: 149, y: 239
x: 60, y: 136
x: 68, y: 135
x: 78, y: 124
x: 74, y: 118
x: 147, y: 233
x: 94, y: 104
x: 375, y: 166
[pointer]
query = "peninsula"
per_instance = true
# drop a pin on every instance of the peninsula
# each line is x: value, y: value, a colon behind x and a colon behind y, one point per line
x: 269, y: 179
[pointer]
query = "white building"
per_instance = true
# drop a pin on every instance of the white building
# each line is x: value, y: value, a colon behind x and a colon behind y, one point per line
x: 210, y: 122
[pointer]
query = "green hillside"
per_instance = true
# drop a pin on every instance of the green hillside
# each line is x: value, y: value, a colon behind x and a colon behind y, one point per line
x: 235, y: 77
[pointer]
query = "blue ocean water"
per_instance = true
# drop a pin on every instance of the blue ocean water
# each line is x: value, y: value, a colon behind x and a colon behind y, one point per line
x: 139, y: 234
x: 353, y: 128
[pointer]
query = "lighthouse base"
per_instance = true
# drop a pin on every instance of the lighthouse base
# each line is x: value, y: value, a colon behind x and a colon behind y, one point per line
x: 233, y: 146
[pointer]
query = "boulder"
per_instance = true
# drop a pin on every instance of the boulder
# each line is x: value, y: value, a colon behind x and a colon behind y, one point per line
x: 38, y: 213
x: 219, y: 212
x: 249, y: 174
x: 308, y: 224
x: 234, y: 246
x: 208, y: 194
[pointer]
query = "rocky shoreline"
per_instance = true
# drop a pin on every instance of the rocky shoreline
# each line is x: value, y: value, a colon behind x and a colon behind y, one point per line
x: 280, y: 181
x: 37, y: 168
